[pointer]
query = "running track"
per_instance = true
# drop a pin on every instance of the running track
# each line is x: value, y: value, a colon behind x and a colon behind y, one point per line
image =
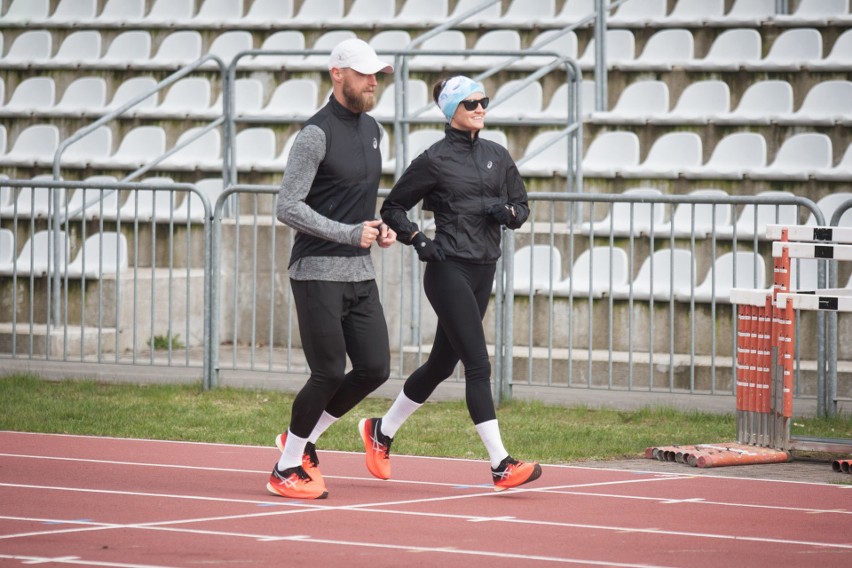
x: 71, y: 500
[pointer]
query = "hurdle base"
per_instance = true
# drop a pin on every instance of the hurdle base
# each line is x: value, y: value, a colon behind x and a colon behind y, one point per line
x: 718, y: 455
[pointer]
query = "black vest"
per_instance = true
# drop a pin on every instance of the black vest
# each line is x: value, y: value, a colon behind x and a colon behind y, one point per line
x: 347, y: 181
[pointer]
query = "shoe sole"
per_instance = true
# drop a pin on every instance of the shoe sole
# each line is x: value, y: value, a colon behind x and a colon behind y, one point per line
x: 314, y: 472
x: 536, y: 473
x: 271, y: 489
x: 368, y: 448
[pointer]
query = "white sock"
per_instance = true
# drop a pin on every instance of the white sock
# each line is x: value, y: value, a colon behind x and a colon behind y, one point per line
x: 294, y: 447
x: 397, y: 414
x: 489, y: 431
x: 325, y: 421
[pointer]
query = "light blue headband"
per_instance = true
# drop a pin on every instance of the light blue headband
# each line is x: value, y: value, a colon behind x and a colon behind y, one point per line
x: 456, y: 89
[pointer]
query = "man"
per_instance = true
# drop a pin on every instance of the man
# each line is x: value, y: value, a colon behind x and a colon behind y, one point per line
x: 328, y: 195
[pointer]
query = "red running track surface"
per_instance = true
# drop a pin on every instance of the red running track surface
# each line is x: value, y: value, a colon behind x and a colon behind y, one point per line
x: 74, y: 500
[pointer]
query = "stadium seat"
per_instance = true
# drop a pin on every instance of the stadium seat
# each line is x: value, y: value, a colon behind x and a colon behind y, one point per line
x: 34, y: 260
x: 122, y: 12
x: 840, y: 56
x: 563, y: 43
x: 147, y: 205
x: 325, y: 43
x: 282, y: 158
x: 492, y: 40
x: 78, y: 49
x: 528, y: 13
x: 537, y: 268
x: 139, y: 146
x: 620, y: 49
x: 35, y: 145
x: 557, y: 108
x: 319, y: 13
x: 495, y: 135
x: 610, y: 152
x: 840, y: 172
x: 287, y: 40
x: 183, y: 98
x: 692, y: 12
x: 7, y: 251
x: 177, y: 48
x: 218, y: 12
x: 596, y: 272
x: 829, y: 204
x: 753, y: 219
x: 792, y: 50
x: 479, y: 16
x: 669, y: 155
x: 191, y: 208
x: 370, y: 13
x: 759, y: 103
x: 417, y: 94
x: 294, y: 99
x: 573, y: 11
x: 74, y: 11
x: 698, y: 102
x: 205, y: 152
x: 132, y: 88
x: 418, y: 141
x: 813, y: 12
x: 170, y: 11
x: 271, y: 13
x: 32, y: 95
x: 522, y: 104
x: 95, y: 145
x: 549, y: 161
x: 733, y: 157
x: 83, y: 96
x: 389, y: 40
x: 626, y: 219
x: 25, y: 11
x: 255, y: 148
x: 34, y: 202
x: 730, y: 270
x: 661, y: 273
x: 729, y: 51
x: 448, y: 40
x: 636, y: 102
x: 698, y: 219
x: 826, y: 104
x: 663, y: 50
x: 127, y: 49
x: 91, y: 204
x: 101, y: 253
x: 32, y: 46
x: 745, y: 13
x: 419, y: 13
x: 248, y: 98
x: 226, y: 45
x: 638, y: 13
x: 799, y: 156
x: 3, y: 143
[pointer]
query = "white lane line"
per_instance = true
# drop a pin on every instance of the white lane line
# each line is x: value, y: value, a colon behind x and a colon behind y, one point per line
x: 76, y: 560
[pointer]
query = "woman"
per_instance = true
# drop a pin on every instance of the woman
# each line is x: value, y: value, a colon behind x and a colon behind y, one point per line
x: 473, y: 187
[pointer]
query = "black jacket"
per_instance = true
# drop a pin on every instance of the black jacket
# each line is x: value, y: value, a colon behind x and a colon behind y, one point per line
x: 459, y: 178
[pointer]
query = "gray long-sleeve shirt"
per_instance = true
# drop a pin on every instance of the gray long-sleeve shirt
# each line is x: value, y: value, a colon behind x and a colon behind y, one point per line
x: 307, y: 153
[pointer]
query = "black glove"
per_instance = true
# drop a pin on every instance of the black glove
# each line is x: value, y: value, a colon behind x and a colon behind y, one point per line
x: 503, y: 213
x: 426, y: 249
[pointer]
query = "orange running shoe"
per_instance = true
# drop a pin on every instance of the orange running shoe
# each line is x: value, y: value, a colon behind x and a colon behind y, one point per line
x: 295, y: 483
x: 511, y: 473
x: 377, y: 447
x: 310, y: 461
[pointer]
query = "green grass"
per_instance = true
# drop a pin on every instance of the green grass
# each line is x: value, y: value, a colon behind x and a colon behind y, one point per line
x: 549, y: 434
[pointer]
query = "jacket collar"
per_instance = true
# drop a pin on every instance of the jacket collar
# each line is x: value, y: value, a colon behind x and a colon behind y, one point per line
x: 456, y: 136
x: 341, y: 111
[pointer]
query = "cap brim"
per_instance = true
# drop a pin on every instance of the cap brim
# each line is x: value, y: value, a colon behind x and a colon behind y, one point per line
x: 373, y: 67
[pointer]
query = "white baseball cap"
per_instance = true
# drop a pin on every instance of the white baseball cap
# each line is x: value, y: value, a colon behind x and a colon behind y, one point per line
x: 358, y: 55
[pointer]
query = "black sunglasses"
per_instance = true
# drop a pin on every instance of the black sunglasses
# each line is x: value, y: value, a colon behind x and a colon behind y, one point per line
x: 470, y: 104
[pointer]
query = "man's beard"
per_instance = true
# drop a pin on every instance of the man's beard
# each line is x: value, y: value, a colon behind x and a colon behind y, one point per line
x: 358, y: 102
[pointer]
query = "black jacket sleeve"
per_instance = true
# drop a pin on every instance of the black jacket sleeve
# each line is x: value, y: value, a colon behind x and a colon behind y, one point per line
x: 415, y: 183
x: 517, y: 197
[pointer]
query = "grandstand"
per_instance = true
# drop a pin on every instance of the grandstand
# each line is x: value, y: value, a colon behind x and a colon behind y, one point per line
x: 706, y: 120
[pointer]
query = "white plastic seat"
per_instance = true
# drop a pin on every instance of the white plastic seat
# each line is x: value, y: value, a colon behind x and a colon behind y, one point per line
x: 826, y: 103
x: 191, y: 207
x: 281, y: 160
x: 573, y: 11
x: 94, y: 146
x: 547, y: 41
x: 293, y: 99
x: 528, y: 13
x: 698, y: 219
x: 389, y: 40
x: 639, y: 13
x: 164, y: 11
x: 86, y: 95
x: 730, y: 50
x: 537, y: 268
x: 698, y: 102
x: 23, y: 11
x: 753, y: 219
x: 557, y: 107
x: 122, y: 12
x: 840, y: 56
x: 620, y: 49
x: 693, y: 12
x: 840, y: 172
x: 417, y: 12
x: 177, y: 48
x: 625, y: 219
x: 149, y: 204
x: 35, y: 145
x: 102, y: 253
x: 74, y: 11
x: 495, y: 135
x: 490, y: 13
x: 219, y: 12
x: 798, y: 157
x: 610, y: 153
x: 286, y: 40
x: 326, y: 42
x: 670, y: 154
x: 597, y: 272
x: 673, y: 269
x: 370, y: 12
x: 759, y: 103
x: 418, y: 142
x: 523, y: 104
x: 184, y: 97
x: 202, y: 153
x: 269, y: 12
x: 32, y: 46
x: 255, y: 147
x: 36, y: 257
x: 226, y: 45
x: 730, y: 270
x: 248, y: 98
x: 814, y: 12
x: 128, y: 48
x: 79, y: 48
x: 318, y: 13
x: 417, y: 95
x: 91, y: 204
x: 35, y: 202
x: 34, y: 94
x: 663, y: 50
x: 733, y: 157
x: 7, y: 251
x: 745, y: 13
x: 448, y: 40
x: 636, y: 102
x: 138, y: 146
x: 552, y: 160
x: 791, y: 50
x: 132, y: 88
x: 829, y: 204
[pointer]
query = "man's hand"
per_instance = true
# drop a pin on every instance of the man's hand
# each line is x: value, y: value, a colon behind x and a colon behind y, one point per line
x: 426, y: 249
x: 387, y: 236
x: 370, y: 232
